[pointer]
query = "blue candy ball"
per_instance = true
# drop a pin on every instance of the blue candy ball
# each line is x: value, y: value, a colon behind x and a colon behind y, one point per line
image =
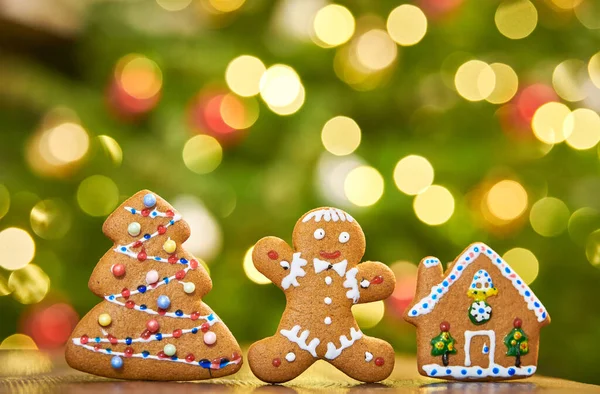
x: 149, y: 200
x: 116, y: 362
x: 163, y: 302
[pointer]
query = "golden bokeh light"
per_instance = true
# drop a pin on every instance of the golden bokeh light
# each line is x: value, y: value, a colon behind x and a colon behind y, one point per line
x: 4, y: 289
x: 17, y: 248
x: 174, y: 5
x: 139, y: 76
x: 363, y: 186
x: 434, y: 206
x: 243, y: 75
x: 524, y: 262
x: 280, y: 85
x: 583, y: 129
x: 594, y: 69
x: 206, y: 238
x: 112, y: 149
x: 341, y: 135
x: 202, y: 154
x: 29, y: 284
x: 97, y: 195
x: 582, y: 223
x: 516, y: 19
x: 226, y: 5
x: 592, y: 249
x: 291, y: 108
x: 588, y: 13
x: 50, y: 219
x: 237, y: 112
x: 475, y: 80
x: 251, y: 271
x: 549, y: 216
x: 507, y: 200
x: 548, y: 122
x: 566, y: 4
x: 407, y: 24
x: 506, y: 84
x: 375, y: 50
x: 18, y: 342
x: 368, y: 315
x: 413, y: 174
x: 333, y: 25
x: 4, y: 201
x: 67, y: 142
x: 568, y: 79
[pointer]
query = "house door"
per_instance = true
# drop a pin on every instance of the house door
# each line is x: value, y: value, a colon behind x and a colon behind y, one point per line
x: 475, y: 341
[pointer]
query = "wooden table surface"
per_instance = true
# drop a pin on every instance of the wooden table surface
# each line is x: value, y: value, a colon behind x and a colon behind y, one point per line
x: 35, y: 372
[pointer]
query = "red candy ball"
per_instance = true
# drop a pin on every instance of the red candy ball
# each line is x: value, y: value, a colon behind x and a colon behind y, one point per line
x: 130, y: 304
x: 190, y: 358
x: 142, y: 256
x: 194, y: 316
x: 112, y: 339
x: 518, y: 323
x: 173, y: 259
x: 162, y: 229
x: 194, y: 264
x: 125, y: 293
x: 145, y: 212
x: 170, y: 213
x: 180, y: 274
x: 146, y: 334
x: 118, y: 270
x: 377, y: 280
x: 84, y: 339
x: 161, y: 312
x: 379, y: 361
x: 276, y: 362
x: 162, y: 354
x: 152, y: 325
x: 205, y: 327
x: 177, y: 333
x: 137, y: 244
x: 445, y: 326
x: 128, y: 351
x: 273, y: 255
x: 96, y: 347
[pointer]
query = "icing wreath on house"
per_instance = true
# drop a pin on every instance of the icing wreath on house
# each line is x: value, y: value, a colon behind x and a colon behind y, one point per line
x: 322, y: 279
x: 478, y: 321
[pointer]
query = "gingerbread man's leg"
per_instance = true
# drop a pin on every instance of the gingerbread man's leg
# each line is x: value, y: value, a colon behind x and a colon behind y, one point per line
x: 277, y: 360
x: 368, y: 360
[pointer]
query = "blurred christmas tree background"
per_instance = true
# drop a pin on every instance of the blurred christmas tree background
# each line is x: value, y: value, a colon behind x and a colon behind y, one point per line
x: 435, y: 123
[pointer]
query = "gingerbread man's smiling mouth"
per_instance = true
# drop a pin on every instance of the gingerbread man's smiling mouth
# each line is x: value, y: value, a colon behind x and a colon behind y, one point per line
x: 330, y: 255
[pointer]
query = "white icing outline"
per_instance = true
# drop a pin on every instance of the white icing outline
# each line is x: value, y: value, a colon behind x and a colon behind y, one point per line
x: 328, y: 214
x: 300, y: 340
x: 431, y: 262
x: 427, y: 303
x: 322, y: 265
x: 296, y: 271
x: 334, y: 352
x: 469, y: 336
x: 352, y: 284
x: 472, y: 372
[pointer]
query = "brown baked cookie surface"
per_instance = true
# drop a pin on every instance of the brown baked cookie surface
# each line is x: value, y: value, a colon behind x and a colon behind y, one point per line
x: 151, y: 323
x: 477, y: 321
x: 322, y: 278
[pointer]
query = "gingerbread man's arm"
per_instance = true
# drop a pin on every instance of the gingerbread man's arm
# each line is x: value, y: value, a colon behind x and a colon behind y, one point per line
x: 376, y: 281
x: 272, y: 257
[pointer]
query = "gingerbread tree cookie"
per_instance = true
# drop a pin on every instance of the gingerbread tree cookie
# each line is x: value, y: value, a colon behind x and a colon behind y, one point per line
x: 151, y: 323
x: 322, y: 278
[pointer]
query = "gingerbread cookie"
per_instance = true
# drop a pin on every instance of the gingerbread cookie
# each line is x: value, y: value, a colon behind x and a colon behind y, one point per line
x: 151, y: 323
x: 322, y: 278
x: 477, y: 321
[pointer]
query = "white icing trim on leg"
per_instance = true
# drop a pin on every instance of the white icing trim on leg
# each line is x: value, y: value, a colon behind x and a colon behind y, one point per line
x: 475, y: 372
x: 333, y: 352
x: 295, y: 272
x: 300, y: 340
x: 352, y: 284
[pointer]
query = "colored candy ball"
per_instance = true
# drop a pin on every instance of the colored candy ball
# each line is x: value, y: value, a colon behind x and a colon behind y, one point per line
x: 170, y: 350
x: 152, y: 277
x: 170, y: 246
x: 163, y: 302
x: 134, y: 229
x: 104, y: 319
x: 189, y: 287
x: 116, y: 362
x: 118, y: 270
x: 210, y: 338
x: 152, y: 325
x: 276, y: 362
x: 518, y: 323
x: 445, y: 326
x: 379, y: 361
x: 149, y: 200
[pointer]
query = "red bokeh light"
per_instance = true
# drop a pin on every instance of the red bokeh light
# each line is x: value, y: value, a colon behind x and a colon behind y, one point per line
x: 50, y: 326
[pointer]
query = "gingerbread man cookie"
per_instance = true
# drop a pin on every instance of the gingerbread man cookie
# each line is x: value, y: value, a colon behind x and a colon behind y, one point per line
x: 322, y: 278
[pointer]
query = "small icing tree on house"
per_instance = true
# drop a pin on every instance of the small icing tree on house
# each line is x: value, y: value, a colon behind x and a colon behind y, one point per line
x: 151, y: 323
x: 443, y: 344
x: 516, y: 342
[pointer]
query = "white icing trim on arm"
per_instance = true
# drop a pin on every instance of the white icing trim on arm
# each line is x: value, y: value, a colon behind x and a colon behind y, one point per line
x: 333, y: 352
x: 296, y: 271
x: 328, y: 214
x: 352, y: 284
x: 300, y: 340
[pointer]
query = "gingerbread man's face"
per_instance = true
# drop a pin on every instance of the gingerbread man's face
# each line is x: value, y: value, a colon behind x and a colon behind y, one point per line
x: 331, y: 235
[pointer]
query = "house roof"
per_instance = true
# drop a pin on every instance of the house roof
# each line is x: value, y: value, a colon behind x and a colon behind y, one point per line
x: 428, y: 303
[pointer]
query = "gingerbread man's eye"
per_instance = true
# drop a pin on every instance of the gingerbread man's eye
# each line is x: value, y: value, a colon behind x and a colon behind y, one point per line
x: 319, y: 233
x: 344, y: 237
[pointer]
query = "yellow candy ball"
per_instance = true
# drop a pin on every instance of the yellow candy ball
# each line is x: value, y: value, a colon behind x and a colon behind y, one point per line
x: 517, y: 335
x: 169, y: 246
x: 104, y: 319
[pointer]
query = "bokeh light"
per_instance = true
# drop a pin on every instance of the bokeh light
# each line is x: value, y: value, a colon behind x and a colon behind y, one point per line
x: 588, y: 13
x: 594, y: 69
x: 138, y: 76
x: 174, y: 5
x: 238, y: 113
x: 206, y: 237
x: 569, y: 78
x: 406, y: 285
x: 507, y: 200
x: 291, y: 108
x: 280, y: 85
x: 413, y: 174
x: 251, y: 271
x: 592, y: 249
x: 341, y: 135
x: 516, y: 19
x: 583, y: 129
x: 333, y: 25
x: 549, y: 216
x: 566, y: 4
x: 112, y: 149
x: 243, y: 75
x: 332, y: 172
x: 202, y: 154
x: 17, y: 248
x: 29, y: 284
x: 434, y: 206
x: 363, y: 186
x: 18, y: 342
x: 51, y: 325
x: 50, y: 219
x: 407, y: 24
x: 67, y: 142
x: 582, y: 223
x: 4, y: 289
x: 475, y: 80
x: 4, y: 201
x: 375, y: 50
x: 548, y: 122
x: 524, y: 262
x: 97, y: 195
x: 506, y: 84
x: 226, y: 5
x: 368, y: 315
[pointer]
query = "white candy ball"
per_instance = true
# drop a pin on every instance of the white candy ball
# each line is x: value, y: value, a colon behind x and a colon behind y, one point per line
x: 152, y: 277
x: 134, y: 229
x: 189, y: 287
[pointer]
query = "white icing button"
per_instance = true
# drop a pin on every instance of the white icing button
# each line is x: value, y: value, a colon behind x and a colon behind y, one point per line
x: 368, y: 356
x: 328, y: 280
x: 327, y: 320
x: 290, y: 357
x: 327, y: 300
